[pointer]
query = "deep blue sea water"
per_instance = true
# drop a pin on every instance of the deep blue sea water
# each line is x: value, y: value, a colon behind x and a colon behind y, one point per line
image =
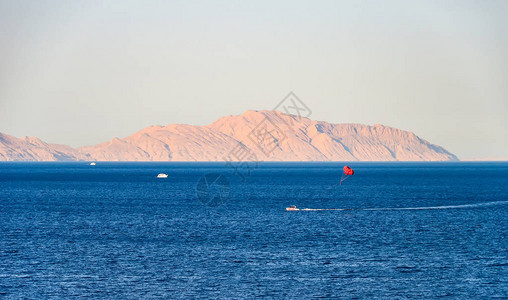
x: 409, y: 230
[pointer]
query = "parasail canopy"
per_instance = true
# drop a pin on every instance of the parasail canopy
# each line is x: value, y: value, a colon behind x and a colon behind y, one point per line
x: 348, y: 171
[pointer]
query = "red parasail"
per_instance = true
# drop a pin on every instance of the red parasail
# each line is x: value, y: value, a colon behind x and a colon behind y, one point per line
x: 348, y: 171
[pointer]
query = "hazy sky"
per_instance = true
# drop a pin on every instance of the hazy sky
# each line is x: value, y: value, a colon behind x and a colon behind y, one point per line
x: 83, y: 72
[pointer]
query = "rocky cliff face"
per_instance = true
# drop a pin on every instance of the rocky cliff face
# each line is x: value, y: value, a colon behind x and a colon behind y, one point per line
x: 34, y: 149
x: 254, y: 135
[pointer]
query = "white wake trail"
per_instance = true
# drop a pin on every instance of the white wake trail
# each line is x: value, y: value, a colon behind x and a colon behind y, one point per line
x: 412, y: 208
x: 441, y: 207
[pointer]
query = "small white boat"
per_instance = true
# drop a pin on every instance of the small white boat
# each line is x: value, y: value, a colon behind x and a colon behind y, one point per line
x: 92, y: 164
x: 292, y: 208
x: 162, y: 175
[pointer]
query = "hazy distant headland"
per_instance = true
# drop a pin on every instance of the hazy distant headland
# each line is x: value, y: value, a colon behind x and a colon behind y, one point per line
x: 251, y: 136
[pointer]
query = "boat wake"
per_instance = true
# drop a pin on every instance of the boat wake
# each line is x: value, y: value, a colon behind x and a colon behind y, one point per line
x: 324, y: 209
x: 406, y: 208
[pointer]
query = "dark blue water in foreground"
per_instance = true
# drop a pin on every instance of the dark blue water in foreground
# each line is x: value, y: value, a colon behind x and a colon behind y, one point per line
x: 115, y: 231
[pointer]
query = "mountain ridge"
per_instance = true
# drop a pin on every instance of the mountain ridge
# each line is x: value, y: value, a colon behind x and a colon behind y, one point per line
x: 254, y: 135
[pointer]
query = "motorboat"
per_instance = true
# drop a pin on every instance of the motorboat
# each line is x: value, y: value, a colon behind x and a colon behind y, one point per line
x: 162, y: 175
x: 92, y: 164
x: 292, y: 208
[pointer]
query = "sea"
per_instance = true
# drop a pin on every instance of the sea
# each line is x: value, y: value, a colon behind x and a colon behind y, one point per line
x: 69, y: 230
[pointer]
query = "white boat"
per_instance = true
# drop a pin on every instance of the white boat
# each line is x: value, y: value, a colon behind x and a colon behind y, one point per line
x: 162, y: 175
x: 292, y: 208
x: 92, y: 164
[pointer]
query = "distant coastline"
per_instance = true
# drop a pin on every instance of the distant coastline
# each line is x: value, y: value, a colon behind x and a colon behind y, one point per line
x: 251, y: 136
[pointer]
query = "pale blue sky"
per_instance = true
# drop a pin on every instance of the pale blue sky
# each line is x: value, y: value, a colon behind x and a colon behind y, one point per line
x: 83, y: 72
